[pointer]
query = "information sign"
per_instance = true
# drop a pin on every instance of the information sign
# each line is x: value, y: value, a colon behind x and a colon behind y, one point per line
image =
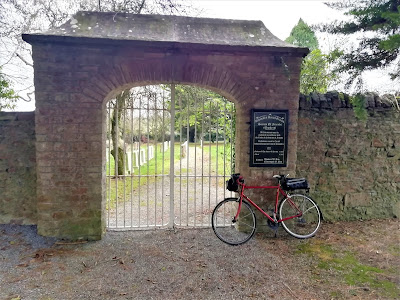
x: 268, y: 138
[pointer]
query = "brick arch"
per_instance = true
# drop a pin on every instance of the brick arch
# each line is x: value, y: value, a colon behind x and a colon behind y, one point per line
x: 106, y: 84
x: 74, y: 78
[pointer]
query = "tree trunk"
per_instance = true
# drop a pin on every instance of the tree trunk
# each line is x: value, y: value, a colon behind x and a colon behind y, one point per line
x: 119, y: 157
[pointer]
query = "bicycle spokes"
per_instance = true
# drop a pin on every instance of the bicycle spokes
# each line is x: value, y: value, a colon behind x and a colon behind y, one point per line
x: 230, y: 230
x: 301, y: 216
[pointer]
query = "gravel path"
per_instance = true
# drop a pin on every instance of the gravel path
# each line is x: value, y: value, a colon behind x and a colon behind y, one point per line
x: 195, y: 198
x: 157, y: 264
x: 194, y: 264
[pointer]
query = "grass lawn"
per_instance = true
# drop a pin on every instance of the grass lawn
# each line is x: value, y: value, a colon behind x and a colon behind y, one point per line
x: 219, y: 152
x: 124, y: 186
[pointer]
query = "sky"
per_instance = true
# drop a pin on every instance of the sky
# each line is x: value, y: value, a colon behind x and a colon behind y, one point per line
x: 279, y: 17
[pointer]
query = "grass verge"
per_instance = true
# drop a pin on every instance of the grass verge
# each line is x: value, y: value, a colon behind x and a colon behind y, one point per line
x: 345, y: 265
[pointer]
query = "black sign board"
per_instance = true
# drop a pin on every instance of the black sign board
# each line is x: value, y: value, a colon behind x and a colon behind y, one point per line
x: 268, y: 138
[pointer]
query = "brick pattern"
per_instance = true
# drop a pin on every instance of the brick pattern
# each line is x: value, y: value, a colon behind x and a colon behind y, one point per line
x: 73, y: 84
x: 17, y: 168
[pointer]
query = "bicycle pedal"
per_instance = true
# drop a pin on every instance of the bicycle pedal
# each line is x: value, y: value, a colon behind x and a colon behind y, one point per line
x: 275, y: 229
x: 273, y: 225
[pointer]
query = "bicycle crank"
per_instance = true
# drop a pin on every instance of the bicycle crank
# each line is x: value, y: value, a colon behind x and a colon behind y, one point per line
x: 273, y: 225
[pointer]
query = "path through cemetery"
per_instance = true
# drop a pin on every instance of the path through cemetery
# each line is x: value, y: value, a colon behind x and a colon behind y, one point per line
x: 195, y: 197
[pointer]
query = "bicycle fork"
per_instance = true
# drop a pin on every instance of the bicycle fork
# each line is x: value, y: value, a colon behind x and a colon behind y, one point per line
x: 239, y: 207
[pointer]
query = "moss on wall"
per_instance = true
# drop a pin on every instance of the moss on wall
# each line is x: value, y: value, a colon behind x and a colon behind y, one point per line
x: 353, y: 166
x: 17, y: 168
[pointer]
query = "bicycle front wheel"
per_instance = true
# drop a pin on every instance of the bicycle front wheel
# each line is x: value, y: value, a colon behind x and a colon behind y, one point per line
x: 230, y: 231
x: 308, y: 221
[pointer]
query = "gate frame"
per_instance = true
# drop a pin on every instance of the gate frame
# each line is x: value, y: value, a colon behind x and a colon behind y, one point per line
x: 78, y: 70
x: 122, y: 218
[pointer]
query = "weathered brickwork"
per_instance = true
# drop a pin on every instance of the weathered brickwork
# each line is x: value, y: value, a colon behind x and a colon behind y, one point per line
x: 353, y: 166
x: 74, y: 82
x: 17, y: 168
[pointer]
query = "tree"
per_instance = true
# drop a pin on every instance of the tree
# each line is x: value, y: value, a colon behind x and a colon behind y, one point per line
x: 19, y: 16
x: 152, y: 101
x: 302, y: 35
x: 137, y: 7
x: 202, y: 114
x: 22, y: 16
x: 377, y: 25
x: 117, y: 152
x: 315, y: 75
x: 7, y: 95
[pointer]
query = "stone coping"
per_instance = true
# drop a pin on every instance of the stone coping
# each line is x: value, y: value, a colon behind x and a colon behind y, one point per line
x: 101, y: 27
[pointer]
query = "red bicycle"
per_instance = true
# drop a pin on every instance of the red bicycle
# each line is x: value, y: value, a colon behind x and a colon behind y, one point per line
x: 234, y: 221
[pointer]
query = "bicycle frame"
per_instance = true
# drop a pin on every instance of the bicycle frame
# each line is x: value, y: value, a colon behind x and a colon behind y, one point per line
x: 279, y: 191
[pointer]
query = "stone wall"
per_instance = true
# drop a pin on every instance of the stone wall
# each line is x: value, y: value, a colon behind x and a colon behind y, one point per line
x: 17, y: 168
x: 353, y: 166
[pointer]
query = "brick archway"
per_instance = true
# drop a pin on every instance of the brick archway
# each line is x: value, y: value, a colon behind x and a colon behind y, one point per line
x: 77, y: 72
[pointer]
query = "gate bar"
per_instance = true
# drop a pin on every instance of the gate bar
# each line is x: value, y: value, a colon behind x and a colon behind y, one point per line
x: 171, y: 222
x: 116, y: 160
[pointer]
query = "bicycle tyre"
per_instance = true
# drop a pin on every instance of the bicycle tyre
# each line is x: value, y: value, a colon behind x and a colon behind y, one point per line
x: 233, y: 233
x: 308, y: 223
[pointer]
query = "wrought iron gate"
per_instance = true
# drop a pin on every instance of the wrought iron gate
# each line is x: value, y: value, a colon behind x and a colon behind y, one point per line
x: 169, y: 152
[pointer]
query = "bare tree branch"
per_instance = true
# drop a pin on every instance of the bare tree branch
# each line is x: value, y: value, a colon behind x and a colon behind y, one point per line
x: 141, y: 7
x: 21, y: 58
x: 29, y: 96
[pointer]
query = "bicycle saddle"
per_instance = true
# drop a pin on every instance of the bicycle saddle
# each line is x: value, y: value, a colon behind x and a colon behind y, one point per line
x: 279, y: 177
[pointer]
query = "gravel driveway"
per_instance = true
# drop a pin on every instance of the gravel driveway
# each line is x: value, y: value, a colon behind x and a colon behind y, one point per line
x: 158, y: 264
x: 194, y: 264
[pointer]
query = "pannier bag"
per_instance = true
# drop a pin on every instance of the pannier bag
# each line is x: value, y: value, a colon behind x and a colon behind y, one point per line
x: 291, y: 184
x: 231, y: 184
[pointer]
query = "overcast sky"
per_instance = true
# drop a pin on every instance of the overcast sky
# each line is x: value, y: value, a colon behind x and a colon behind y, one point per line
x: 279, y: 17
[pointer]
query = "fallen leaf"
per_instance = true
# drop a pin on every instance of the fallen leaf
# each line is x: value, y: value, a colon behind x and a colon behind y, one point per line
x: 23, y: 265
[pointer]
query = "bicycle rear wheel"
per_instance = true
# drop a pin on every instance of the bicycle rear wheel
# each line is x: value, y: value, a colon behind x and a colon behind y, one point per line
x: 308, y: 223
x: 228, y: 231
